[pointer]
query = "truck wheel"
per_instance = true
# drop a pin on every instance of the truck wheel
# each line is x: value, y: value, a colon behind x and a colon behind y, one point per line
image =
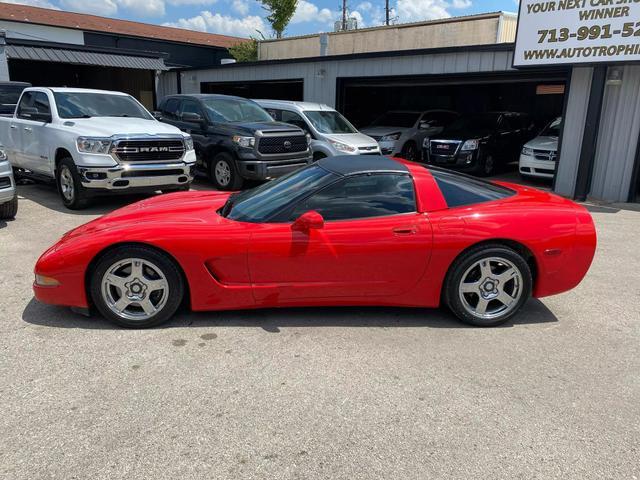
x: 10, y: 209
x: 224, y: 174
x: 410, y: 152
x: 74, y: 195
x: 486, y: 165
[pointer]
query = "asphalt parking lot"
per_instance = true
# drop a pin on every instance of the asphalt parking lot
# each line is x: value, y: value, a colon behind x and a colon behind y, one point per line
x: 320, y: 393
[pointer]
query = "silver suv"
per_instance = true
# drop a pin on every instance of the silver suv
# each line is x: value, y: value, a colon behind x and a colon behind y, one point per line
x: 402, y: 133
x: 331, y: 133
x: 8, y: 197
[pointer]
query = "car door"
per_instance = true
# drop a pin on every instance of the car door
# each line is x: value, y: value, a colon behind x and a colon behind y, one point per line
x: 373, y: 244
x: 506, y: 136
x: 34, y: 132
x: 195, y: 128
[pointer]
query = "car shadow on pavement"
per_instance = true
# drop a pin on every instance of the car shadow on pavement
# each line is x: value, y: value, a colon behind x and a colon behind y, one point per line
x: 47, y: 196
x: 272, y: 320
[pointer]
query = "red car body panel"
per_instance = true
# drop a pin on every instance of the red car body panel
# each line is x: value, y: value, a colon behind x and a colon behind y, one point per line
x: 397, y: 261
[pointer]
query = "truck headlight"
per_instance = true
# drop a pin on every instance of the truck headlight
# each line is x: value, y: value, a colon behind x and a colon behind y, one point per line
x: 3, y: 155
x: 246, y: 142
x: 470, y: 145
x: 391, y: 137
x: 343, y: 147
x: 93, y: 145
x: 527, y: 152
x: 308, y: 135
x: 188, y: 143
x: 427, y: 143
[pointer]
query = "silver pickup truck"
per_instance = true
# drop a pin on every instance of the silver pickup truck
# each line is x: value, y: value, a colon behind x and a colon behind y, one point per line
x: 95, y: 142
x: 8, y: 197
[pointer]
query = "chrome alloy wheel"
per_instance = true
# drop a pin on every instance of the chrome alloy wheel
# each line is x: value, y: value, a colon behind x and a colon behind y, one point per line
x: 66, y: 184
x: 223, y: 173
x: 491, y: 288
x: 135, y: 289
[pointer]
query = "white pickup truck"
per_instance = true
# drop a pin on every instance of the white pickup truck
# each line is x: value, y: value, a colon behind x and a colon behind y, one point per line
x: 95, y: 142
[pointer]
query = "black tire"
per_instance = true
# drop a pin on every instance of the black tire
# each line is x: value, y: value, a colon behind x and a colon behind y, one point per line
x: 318, y: 156
x: 9, y: 209
x: 78, y: 197
x: 165, y: 263
x: 454, y: 279
x: 225, y: 161
x: 486, y: 165
x: 410, y: 152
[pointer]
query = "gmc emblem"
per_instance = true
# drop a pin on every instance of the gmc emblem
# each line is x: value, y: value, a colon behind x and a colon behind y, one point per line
x: 443, y: 147
x: 153, y: 149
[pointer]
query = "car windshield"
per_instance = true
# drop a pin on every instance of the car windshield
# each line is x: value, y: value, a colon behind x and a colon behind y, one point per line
x: 87, y: 105
x: 553, y: 129
x: 235, y: 110
x: 330, y: 122
x: 261, y: 203
x: 480, y: 121
x: 397, y: 119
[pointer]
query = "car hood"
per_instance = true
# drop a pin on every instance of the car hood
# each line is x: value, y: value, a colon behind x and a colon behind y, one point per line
x: 253, y: 127
x: 382, y: 131
x: 169, y: 210
x: 471, y: 133
x: 543, y: 143
x: 108, y: 126
x: 353, y: 139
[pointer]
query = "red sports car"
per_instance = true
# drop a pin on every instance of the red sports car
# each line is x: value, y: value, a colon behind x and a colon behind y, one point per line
x: 353, y: 231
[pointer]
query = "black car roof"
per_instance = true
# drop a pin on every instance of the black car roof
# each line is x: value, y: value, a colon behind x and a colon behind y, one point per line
x: 354, y: 164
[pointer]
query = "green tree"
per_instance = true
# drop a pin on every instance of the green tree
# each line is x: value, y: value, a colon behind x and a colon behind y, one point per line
x: 245, y: 51
x: 280, y: 13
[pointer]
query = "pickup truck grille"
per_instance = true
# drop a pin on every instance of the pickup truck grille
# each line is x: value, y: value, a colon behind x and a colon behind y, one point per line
x: 285, y: 144
x: 149, y: 150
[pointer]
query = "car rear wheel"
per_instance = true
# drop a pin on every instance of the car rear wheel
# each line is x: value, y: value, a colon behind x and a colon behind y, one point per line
x: 488, y: 285
x: 410, y: 152
x: 486, y: 165
x: 136, y: 287
x: 9, y: 209
x: 224, y: 174
x: 73, y: 194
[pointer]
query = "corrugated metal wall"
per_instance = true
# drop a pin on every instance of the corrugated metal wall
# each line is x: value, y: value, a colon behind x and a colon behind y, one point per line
x: 320, y: 76
x: 167, y: 84
x: 618, y: 138
x: 573, y: 130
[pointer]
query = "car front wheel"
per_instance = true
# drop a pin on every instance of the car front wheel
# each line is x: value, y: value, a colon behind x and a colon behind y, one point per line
x: 224, y: 174
x: 73, y: 194
x: 488, y: 285
x: 136, y: 287
x: 10, y: 209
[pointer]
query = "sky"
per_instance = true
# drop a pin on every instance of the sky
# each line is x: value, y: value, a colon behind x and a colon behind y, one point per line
x: 246, y: 18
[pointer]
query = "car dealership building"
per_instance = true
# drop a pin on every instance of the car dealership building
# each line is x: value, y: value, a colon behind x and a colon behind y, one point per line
x: 599, y: 154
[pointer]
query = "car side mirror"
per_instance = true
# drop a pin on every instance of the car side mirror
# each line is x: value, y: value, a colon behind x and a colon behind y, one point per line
x: 308, y: 221
x: 424, y: 125
x: 191, y: 117
x: 157, y: 115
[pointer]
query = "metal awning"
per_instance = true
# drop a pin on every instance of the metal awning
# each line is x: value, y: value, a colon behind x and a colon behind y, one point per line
x: 83, y: 57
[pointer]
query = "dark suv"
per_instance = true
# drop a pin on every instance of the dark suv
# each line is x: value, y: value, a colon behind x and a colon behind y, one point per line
x: 478, y: 143
x: 235, y: 139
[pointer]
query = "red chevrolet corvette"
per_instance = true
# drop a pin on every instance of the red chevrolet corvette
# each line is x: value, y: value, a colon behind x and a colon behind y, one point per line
x: 344, y: 231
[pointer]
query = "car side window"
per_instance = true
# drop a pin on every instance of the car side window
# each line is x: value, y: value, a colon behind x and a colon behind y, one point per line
x: 460, y: 190
x: 361, y: 196
x: 189, y: 106
x: 294, y: 119
x: 170, y: 108
x: 37, y: 100
x: 275, y: 114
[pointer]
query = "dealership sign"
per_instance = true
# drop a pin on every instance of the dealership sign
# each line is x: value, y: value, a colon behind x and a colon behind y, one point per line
x: 577, y: 31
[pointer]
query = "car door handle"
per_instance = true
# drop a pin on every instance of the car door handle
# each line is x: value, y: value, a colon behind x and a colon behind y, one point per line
x: 14, y: 127
x: 405, y: 230
x: 28, y: 129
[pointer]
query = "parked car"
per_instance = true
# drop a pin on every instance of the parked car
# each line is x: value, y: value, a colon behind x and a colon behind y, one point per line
x: 480, y: 142
x: 9, y: 95
x: 401, y: 133
x: 540, y: 155
x: 235, y: 139
x: 8, y: 196
x: 358, y: 230
x: 331, y: 133
x: 95, y: 142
